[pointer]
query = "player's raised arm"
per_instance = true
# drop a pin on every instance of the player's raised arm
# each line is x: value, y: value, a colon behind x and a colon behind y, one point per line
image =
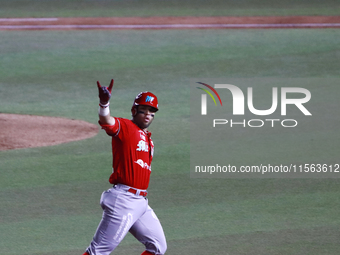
x: 104, y: 111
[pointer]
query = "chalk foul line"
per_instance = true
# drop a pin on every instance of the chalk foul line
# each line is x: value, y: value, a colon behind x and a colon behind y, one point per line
x: 169, y: 26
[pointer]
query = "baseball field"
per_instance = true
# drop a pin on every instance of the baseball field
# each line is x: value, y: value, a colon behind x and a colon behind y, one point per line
x: 49, y: 196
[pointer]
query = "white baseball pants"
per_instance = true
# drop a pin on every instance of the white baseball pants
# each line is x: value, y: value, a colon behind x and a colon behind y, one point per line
x: 126, y: 212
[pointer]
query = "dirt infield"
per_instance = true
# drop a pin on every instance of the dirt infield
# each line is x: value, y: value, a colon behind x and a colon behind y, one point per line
x: 168, y: 22
x: 22, y: 131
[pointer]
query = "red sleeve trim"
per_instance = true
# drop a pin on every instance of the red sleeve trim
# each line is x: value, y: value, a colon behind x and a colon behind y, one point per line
x: 111, y: 130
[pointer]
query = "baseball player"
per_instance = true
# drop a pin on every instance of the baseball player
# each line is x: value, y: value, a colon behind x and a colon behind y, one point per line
x: 125, y: 206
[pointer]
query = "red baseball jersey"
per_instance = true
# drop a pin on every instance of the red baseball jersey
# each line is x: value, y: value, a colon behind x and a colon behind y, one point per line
x: 132, y: 152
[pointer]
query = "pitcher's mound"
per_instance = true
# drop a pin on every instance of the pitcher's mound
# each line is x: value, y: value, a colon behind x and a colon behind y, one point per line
x: 24, y: 131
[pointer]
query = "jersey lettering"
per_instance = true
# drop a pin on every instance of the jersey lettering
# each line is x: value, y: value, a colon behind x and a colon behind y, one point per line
x: 142, y: 146
x: 143, y: 164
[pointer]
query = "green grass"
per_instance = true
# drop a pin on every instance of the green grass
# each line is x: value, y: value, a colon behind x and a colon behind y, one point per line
x: 49, y: 197
x: 145, y: 8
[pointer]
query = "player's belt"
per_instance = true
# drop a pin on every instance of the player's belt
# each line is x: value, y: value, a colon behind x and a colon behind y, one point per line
x: 137, y: 192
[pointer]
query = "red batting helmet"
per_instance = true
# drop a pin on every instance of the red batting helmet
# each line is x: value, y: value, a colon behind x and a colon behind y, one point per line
x: 146, y: 98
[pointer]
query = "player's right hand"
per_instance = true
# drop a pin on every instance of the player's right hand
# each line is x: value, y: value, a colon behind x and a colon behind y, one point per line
x: 104, y: 93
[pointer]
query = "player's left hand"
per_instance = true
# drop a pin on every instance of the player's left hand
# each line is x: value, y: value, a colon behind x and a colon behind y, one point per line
x: 104, y: 93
